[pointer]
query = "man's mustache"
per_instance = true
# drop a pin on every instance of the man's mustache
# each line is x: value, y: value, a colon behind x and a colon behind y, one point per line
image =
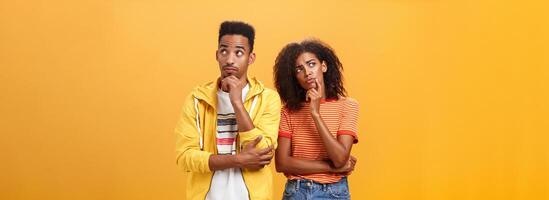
x: 229, y: 65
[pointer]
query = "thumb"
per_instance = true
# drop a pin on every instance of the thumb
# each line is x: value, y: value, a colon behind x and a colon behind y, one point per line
x: 256, y: 140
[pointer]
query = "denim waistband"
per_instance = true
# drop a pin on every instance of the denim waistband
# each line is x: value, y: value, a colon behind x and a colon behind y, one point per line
x: 313, y: 184
x: 303, y: 181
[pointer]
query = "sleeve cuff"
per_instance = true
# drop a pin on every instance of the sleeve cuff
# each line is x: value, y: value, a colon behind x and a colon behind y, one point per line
x: 250, y: 135
x: 347, y: 132
x: 285, y: 134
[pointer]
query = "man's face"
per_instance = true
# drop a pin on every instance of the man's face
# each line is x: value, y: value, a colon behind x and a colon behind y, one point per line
x: 233, y: 55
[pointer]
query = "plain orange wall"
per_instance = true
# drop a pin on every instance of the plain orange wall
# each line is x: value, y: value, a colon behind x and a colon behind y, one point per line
x: 454, y: 94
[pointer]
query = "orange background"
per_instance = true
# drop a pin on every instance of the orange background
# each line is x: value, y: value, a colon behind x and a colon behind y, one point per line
x: 454, y: 94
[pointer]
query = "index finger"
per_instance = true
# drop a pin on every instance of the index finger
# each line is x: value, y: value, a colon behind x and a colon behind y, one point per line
x: 353, y: 158
x: 318, y: 88
x: 232, y: 77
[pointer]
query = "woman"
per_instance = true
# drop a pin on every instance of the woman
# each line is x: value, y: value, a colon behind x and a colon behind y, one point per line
x: 318, y: 123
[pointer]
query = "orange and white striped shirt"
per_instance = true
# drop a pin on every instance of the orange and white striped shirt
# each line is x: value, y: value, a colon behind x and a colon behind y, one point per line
x: 341, y: 118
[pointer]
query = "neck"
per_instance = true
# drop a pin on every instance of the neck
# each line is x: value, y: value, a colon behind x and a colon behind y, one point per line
x: 244, y: 79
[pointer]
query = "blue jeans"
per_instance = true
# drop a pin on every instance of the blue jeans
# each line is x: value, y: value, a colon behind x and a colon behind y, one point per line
x: 307, y: 189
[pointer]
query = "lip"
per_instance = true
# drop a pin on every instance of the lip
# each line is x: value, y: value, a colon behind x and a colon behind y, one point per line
x: 311, y: 83
x: 230, y: 69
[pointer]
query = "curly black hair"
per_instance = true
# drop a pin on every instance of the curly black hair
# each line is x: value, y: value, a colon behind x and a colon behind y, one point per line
x: 291, y: 93
x: 237, y: 28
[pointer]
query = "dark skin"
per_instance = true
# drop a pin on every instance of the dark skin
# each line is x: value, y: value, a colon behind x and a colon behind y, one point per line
x: 234, y: 56
x: 288, y: 164
x: 309, y: 73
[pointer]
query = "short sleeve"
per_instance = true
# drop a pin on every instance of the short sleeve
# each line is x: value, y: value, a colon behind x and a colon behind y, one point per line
x: 349, y: 119
x: 284, y: 129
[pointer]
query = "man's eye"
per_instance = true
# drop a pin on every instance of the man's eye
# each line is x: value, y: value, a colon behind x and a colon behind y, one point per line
x: 239, y: 53
x: 223, y: 52
x: 311, y: 64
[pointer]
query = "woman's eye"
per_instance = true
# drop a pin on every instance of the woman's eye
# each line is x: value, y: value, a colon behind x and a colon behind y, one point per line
x: 311, y: 64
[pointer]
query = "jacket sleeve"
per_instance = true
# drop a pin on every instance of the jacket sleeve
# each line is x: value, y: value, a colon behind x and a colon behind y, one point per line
x: 266, y: 124
x: 189, y: 156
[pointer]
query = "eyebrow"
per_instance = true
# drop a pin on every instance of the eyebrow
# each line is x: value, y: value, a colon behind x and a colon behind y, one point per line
x: 240, y: 47
x: 237, y: 46
x: 311, y: 60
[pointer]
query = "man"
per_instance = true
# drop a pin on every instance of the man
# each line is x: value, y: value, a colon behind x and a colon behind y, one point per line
x: 228, y: 128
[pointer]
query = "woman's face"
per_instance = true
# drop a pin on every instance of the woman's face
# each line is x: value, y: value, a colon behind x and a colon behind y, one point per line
x: 308, y: 68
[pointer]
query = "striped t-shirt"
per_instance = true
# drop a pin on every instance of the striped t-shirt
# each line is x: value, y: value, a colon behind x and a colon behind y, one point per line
x: 340, y: 116
x: 227, y: 183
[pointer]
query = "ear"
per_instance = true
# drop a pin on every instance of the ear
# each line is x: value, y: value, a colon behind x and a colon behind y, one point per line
x: 324, y: 67
x: 216, y: 56
x: 251, y: 58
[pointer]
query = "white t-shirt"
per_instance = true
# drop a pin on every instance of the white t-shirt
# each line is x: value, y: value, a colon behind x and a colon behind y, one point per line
x: 227, y: 184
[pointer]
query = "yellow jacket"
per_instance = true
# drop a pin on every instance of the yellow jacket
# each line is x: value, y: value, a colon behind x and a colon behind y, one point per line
x: 196, y: 137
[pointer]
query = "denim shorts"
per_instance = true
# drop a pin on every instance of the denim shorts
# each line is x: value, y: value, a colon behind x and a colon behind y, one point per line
x: 307, y: 189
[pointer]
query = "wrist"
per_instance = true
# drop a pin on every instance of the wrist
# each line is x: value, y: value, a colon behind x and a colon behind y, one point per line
x: 332, y: 169
x: 315, y: 114
x: 238, y: 160
x: 237, y: 103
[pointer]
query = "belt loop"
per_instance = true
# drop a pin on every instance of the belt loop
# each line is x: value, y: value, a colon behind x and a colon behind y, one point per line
x: 297, y: 184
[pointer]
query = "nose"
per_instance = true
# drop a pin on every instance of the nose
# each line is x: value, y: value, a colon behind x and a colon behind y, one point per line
x: 230, y: 59
x: 308, y: 71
